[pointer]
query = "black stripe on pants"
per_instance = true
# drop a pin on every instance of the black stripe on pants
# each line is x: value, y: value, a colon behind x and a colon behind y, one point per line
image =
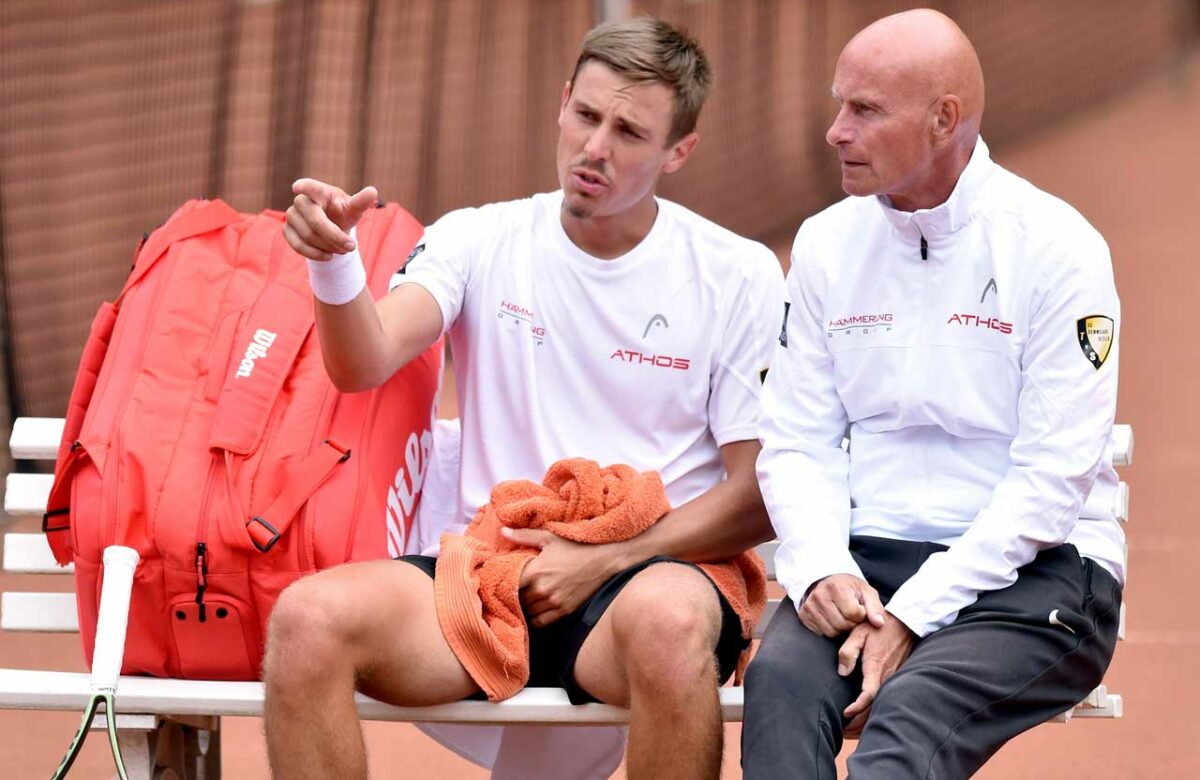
x: 1000, y: 668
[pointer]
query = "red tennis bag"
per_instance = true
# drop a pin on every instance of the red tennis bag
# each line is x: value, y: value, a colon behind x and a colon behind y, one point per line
x: 204, y: 432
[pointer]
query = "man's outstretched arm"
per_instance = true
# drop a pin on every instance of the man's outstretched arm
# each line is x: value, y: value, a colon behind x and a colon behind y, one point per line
x: 363, y: 343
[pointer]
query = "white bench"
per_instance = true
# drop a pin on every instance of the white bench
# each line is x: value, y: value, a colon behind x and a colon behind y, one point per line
x: 175, y: 723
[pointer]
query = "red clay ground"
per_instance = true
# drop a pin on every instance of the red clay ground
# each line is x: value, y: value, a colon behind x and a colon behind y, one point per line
x: 1130, y: 166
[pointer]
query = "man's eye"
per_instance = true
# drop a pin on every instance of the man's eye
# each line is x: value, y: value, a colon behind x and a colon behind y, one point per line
x: 631, y: 133
x: 587, y: 116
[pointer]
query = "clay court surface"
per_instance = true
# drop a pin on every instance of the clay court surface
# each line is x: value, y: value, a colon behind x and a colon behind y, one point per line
x: 1130, y: 165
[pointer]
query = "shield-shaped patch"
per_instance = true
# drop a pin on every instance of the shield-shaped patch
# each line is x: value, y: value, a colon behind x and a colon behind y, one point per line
x: 1095, y: 337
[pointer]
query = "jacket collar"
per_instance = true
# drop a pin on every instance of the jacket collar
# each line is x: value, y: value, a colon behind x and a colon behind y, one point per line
x: 958, y: 208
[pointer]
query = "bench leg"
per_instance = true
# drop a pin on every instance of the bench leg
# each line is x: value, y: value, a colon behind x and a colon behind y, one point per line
x: 180, y: 748
x: 202, y: 752
x: 137, y: 752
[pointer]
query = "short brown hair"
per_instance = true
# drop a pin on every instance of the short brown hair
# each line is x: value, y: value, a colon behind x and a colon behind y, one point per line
x: 646, y: 50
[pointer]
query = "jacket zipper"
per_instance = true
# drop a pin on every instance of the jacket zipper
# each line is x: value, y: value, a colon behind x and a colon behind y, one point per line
x: 924, y: 351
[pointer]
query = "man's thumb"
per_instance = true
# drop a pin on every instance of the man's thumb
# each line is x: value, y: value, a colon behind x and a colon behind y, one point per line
x: 360, y: 202
x: 874, y: 607
x: 529, y: 537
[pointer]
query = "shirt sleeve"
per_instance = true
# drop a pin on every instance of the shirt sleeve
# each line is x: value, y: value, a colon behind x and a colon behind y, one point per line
x: 1065, y: 413
x: 752, y: 322
x: 443, y: 260
x: 802, y: 470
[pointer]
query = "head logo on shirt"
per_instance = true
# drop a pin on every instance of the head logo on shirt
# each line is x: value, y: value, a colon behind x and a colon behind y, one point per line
x: 1095, y: 337
x: 656, y: 319
x: 991, y: 285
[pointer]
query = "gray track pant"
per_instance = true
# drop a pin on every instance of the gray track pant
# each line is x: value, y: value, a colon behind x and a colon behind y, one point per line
x: 999, y: 669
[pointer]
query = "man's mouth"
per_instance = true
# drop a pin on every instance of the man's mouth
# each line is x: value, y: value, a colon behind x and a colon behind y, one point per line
x: 589, y: 182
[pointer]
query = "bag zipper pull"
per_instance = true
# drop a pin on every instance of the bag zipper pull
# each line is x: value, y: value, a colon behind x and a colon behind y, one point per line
x: 201, y: 578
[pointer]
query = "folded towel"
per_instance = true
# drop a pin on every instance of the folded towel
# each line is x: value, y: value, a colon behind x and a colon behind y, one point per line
x: 478, y: 574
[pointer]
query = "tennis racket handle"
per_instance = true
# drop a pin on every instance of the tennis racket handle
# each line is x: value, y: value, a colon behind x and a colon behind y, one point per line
x: 119, y: 565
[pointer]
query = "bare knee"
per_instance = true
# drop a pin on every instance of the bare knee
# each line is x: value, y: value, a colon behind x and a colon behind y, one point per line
x: 666, y: 631
x: 305, y: 632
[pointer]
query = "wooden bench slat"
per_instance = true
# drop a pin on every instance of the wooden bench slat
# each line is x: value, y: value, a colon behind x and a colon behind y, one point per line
x: 767, y: 551
x: 1122, y: 437
x: 28, y: 689
x: 768, y: 613
x: 36, y: 438
x: 21, y: 611
x: 1097, y: 698
x: 1113, y: 707
x: 30, y: 554
x: 38, y: 612
x: 25, y: 495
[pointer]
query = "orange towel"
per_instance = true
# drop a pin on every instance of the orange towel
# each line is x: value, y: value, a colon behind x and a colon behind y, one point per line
x: 478, y: 573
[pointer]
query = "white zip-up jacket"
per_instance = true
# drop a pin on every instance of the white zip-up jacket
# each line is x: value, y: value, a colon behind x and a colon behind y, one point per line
x: 969, y: 352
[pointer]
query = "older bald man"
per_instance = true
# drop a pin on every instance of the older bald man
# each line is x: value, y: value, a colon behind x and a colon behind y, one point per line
x: 947, y: 587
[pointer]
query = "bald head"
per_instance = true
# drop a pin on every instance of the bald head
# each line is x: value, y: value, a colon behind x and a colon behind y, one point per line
x: 912, y: 93
x: 922, y: 54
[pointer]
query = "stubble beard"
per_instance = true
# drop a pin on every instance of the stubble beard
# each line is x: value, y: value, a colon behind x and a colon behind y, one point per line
x: 577, y: 211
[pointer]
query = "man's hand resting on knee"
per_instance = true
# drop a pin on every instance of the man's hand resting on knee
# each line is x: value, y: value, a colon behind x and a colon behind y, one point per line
x: 838, y: 603
x: 883, y: 649
x: 562, y: 576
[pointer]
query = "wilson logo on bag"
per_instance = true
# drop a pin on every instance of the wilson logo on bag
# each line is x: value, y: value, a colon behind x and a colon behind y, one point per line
x: 263, y: 339
x: 204, y: 432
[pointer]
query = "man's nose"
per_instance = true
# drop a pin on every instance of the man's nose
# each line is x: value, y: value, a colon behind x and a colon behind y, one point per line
x: 599, y: 145
x: 839, y: 131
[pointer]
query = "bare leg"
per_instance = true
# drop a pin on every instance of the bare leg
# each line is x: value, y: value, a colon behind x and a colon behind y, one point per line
x: 371, y: 626
x: 653, y: 652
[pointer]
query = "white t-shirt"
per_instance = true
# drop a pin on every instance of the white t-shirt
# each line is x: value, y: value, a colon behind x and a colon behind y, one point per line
x: 652, y: 359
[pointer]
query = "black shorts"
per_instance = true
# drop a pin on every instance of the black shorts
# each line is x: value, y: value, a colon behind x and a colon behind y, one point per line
x: 554, y: 648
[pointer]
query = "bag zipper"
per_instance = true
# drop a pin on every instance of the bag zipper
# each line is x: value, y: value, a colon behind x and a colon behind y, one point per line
x: 201, y: 558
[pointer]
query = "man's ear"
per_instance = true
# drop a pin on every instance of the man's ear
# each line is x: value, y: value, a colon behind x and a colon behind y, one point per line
x: 946, y: 118
x: 566, y: 95
x: 681, y: 150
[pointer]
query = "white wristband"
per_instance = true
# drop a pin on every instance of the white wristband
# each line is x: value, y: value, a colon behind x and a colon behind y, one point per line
x: 340, y: 280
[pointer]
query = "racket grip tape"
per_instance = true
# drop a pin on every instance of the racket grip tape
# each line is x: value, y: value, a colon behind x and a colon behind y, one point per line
x: 119, y: 565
